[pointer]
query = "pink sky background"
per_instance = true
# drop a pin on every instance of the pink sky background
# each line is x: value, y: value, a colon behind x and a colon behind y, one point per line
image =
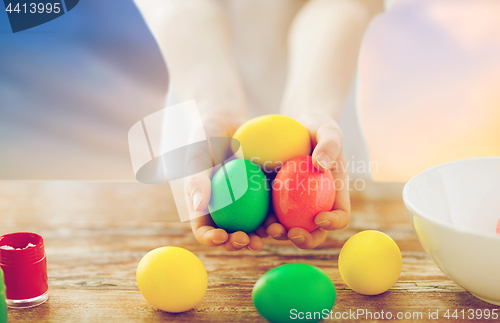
x: 429, y: 85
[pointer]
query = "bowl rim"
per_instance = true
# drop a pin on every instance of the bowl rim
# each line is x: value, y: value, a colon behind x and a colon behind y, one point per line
x: 429, y: 218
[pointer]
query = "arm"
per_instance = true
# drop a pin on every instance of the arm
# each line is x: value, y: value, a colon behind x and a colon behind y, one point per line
x: 199, y: 58
x: 194, y: 38
x: 324, y: 42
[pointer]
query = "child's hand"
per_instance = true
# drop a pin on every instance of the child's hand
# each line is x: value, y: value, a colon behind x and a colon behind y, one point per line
x: 198, y: 191
x: 328, y: 154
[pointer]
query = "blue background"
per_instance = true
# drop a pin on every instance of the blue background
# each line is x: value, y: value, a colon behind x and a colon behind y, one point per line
x: 76, y: 84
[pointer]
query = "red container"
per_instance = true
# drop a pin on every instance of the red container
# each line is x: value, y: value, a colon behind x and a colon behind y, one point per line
x: 22, y: 258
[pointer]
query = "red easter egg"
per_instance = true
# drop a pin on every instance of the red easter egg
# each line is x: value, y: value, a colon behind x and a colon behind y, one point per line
x: 300, y: 192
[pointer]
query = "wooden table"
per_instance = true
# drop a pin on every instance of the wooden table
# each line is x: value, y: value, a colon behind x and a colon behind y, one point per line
x: 96, y: 233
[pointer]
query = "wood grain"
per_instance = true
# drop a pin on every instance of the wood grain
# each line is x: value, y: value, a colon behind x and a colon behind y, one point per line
x: 96, y: 233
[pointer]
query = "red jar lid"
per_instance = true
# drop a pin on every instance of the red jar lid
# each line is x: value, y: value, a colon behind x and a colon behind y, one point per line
x: 25, y: 248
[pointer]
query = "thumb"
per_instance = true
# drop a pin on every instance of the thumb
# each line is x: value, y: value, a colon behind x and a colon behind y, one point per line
x: 198, y: 167
x: 328, y: 148
x: 199, y: 190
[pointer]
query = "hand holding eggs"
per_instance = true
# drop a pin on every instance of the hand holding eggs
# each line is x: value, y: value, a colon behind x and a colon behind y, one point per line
x: 240, y: 196
x: 241, y: 193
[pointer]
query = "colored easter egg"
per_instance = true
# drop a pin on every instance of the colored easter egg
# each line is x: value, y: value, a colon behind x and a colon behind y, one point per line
x: 271, y: 140
x: 294, y: 292
x: 498, y: 227
x: 3, y: 296
x: 370, y: 262
x: 240, y: 196
x: 172, y: 279
x: 300, y: 192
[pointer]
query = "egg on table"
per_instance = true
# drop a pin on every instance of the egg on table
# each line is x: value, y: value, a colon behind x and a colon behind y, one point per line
x: 370, y: 262
x: 294, y: 292
x: 172, y: 279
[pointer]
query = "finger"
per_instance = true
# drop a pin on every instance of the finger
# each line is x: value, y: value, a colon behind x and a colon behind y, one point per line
x: 277, y: 231
x: 255, y: 242
x: 210, y: 236
x: 274, y: 228
x: 236, y: 241
x: 329, y: 146
x: 205, y: 232
x: 339, y: 217
x: 204, y: 228
x: 307, y: 240
x: 326, y: 137
x: 261, y: 232
x: 342, y: 205
x: 271, y: 218
x: 199, y: 190
x: 198, y: 165
x: 334, y: 220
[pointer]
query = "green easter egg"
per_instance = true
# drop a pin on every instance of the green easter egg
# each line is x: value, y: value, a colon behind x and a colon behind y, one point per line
x: 240, y: 196
x: 294, y: 292
x: 3, y: 305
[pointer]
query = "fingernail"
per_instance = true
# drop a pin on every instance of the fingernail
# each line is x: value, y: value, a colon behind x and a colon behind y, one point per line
x: 277, y: 236
x: 323, y: 160
x: 298, y: 239
x: 219, y: 241
x: 324, y: 223
x: 197, y: 197
x: 239, y: 245
x: 251, y: 249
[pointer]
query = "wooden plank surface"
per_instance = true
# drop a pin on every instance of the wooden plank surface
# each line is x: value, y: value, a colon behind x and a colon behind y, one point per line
x: 96, y: 233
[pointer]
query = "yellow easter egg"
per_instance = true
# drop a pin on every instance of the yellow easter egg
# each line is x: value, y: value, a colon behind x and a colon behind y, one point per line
x: 370, y: 262
x: 271, y: 140
x: 172, y: 279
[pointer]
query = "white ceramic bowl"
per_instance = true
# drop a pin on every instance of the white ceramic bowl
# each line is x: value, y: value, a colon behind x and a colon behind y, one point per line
x: 454, y: 209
